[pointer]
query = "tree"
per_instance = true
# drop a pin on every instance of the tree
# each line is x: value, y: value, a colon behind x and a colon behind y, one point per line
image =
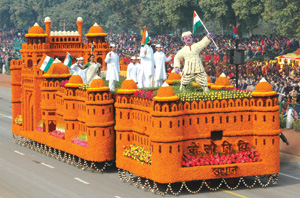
x: 179, y: 13
x: 248, y: 12
x: 285, y: 16
x: 229, y: 13
x: 5, y: 21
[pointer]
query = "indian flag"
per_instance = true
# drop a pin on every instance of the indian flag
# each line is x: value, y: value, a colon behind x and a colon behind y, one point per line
x: 46, y: 63
x: 145, y: 38
x: 92, y: 49
x: 196, y: 22
x: 68, y: 60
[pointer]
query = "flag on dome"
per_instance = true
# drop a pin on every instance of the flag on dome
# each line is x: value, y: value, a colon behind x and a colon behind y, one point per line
x: 68, y: 60
x: 196, y: 22
x: 92, y: 49
x: 146, y: 37
x: 46, y: 63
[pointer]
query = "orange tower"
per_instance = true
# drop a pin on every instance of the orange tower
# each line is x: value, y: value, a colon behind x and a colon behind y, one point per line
x: 47, y: 103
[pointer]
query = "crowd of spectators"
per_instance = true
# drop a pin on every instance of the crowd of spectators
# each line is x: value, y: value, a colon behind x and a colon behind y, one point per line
x: 7, y: 46
x: 284, y: 78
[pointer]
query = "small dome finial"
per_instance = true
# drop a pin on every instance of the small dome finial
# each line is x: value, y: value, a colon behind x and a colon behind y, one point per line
x: 47, y: 19
x: 56, y: 61
x: 36, y: 24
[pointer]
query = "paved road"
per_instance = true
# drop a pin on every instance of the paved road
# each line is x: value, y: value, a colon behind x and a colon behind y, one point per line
x: 26, y: 173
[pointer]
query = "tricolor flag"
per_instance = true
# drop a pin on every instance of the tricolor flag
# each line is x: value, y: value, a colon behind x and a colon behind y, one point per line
x: 146, y: 37
x: 46, y: 63
x: 196, y: 22
x: 68, y: 60
x: 92, y: 49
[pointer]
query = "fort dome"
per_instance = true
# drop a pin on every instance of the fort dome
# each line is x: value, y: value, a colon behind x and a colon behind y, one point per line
x: 76, y: 79
x: 58, y: 70
x: 165, y: 93
x: 222, y: 81
x: 97, y: 83
x: 95, y: 30
x: 263, y: 88
x: 173, y: 77
x: 36, y: 31
x: 128, y: 86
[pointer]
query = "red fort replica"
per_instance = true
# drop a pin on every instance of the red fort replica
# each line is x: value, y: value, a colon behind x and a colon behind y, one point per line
x: 165, y: 139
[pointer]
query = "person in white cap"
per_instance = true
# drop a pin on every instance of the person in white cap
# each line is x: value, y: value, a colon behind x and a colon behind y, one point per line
x: 160, y: 66
x: 113, y: 67
x: 193, y: 68
x: 132, y: 70
x: 78, y: 67
x: 147, y: 62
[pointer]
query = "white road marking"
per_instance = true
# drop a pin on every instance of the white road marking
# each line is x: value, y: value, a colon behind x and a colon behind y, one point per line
x: 82, y: 181
x: 118, y: 197
x: 9, y: 117
x: 47, y: 165
x: 19, y: 153
x: 289, y: 176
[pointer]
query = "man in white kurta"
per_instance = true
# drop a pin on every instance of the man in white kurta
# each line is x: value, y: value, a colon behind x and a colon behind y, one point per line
x: 160, y: 66
x: 132, y: 70
x: 113, y: 67
x: 140, y: 73
x: 193, y: 68
x: 147, y: 62
x: 78, y: 67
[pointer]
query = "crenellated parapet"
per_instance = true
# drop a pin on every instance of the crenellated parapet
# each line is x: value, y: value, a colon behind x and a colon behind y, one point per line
x: 169, y: 127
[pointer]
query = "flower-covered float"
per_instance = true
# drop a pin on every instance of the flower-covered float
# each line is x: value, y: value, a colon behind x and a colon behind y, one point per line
x: 174, y: 137
x: 165, y: 136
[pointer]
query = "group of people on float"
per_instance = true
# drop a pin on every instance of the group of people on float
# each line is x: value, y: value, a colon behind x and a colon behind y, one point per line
x: 147, y: 70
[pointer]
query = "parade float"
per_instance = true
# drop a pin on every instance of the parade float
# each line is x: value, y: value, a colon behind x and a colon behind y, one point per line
x: 289, y: 58
x: 156, y: 138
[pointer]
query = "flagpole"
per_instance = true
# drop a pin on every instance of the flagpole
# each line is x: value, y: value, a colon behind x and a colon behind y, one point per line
x: 208, y: 33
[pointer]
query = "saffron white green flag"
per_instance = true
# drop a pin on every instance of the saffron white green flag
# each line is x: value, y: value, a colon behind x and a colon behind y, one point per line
x: 145, y: 38
x: 196, y: 22
x: 92, y: 49
x: 68, y: 60
x: 46, y: 63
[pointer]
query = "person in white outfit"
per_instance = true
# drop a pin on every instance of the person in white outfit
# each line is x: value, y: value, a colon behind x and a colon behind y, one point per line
x: 147, y: 62
x: 113, y: 67
x: 132, y: 70
x: 140, y: 73
x: 160, y: 66
x: 78, y: 67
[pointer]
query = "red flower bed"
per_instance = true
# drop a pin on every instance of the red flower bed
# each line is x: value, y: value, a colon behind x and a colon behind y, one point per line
x: 144, y: 94
x: 220, y: 159
x: 58, y: 134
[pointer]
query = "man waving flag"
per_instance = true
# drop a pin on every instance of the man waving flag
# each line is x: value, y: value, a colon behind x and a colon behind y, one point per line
x: 146, y: 37
x: 197, y: 22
